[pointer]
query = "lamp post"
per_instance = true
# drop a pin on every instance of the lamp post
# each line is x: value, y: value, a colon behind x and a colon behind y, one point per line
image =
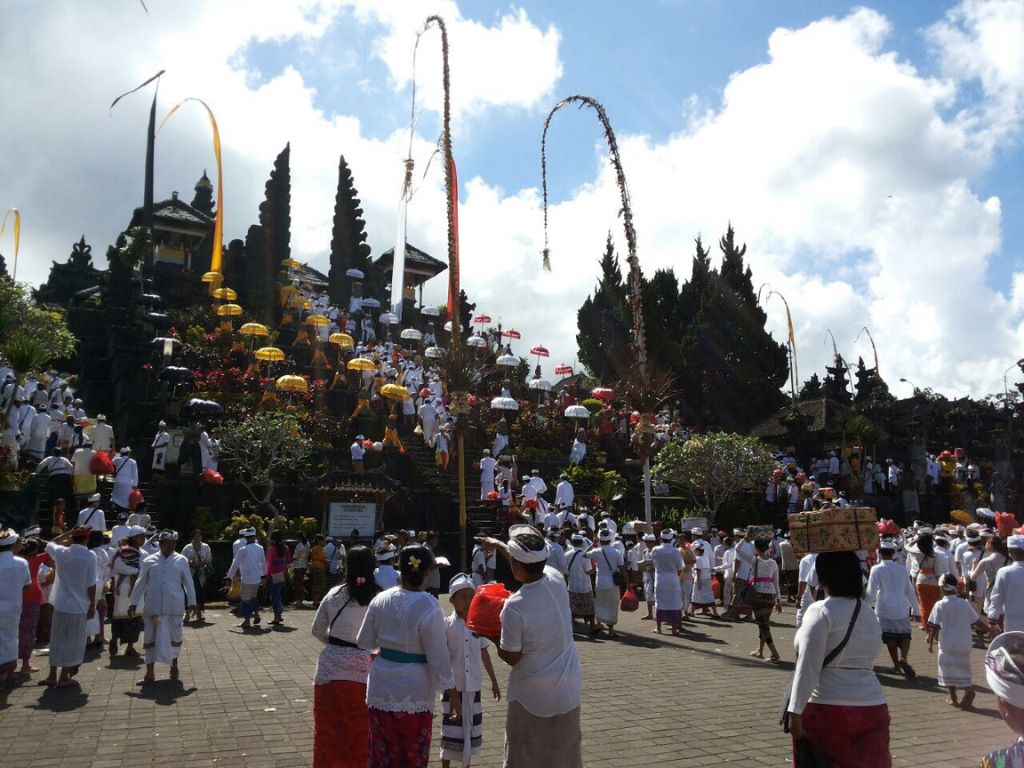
x: 912, y: 385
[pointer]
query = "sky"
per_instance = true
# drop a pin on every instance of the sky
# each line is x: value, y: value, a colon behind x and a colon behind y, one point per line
x: 869, y: 156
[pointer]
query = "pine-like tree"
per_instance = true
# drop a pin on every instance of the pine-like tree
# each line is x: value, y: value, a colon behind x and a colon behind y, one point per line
x: 811, y: 390
x: 349, y: 249
x: 3, y: 267
x: 604, y: 322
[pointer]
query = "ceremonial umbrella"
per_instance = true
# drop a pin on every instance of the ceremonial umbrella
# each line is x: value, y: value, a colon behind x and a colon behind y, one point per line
x: 504, y: 404
x: 204, y: 407
x: 175, y: 374
x: 434, y: 353
x: 291, y: 263
x: 254, y: 329
x: 158, y: 319
x: 150, y: 299
x: 227, y: 294
x: 163, y: 341
x: 448, y: 326
x: 361, y: 364
x: 411, y: 334
x: 577, y: 412
x: 229, y: 310
x: 563, y: 370
x: 372, y: 303
x: 603, y: 393
x: 356, y: 274
x: 540, y: 352
x: 476, y: 341
x: 388, y: 317
x: 482, y: 319
x: 341, y: 339
x: 430, y: 311
x: 394, y: 392
x: 509, y: 361
x: 317, y: 321
x: 212, y: 277
x: 292, y: 383
x: 269, y: 355
x: 540, y: 385
x: 512, y: 333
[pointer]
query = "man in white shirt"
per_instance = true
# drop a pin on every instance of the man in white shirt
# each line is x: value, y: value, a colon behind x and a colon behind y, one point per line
x: 38, y: 433
x: 358, y: 452
x: 556, y: 552
x: 159, y: 447
x: 14, y: 580
x: 250, y: 564
x: 546, y: 683
x: 894, y: 598
x: 428, y: 420
x: 92, y: 515
x: 565, y: 495
x: 744, y: 571
x: 807, y: 585
x: 335, y: 554
x: 102, y: 435
x: 165, y: 587
x: 487, y: 465
x: 126, y: 479
x: 1005, y: 602
x: 74, y: 602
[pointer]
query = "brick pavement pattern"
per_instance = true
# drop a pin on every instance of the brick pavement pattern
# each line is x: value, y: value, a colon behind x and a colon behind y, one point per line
x: 649, y: 700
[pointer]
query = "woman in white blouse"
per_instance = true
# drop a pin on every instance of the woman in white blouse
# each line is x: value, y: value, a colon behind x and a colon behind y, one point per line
x: 340, y: 717
x: 406, y: 626
x: 765, y: 579
x: 836, y: 703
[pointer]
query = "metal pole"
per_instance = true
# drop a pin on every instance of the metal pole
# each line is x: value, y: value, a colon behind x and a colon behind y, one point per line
x: 463, y: 522
x: 648, y: 515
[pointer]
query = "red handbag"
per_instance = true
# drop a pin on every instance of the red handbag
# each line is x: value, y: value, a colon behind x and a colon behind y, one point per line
x: 484, y: 615
x: 100, y: 464
x: 1006, y: 522
x: 629, y: 601
x: 135, y: 498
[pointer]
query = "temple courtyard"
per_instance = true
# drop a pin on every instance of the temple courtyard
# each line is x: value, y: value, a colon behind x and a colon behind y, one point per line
x: 246, y: 700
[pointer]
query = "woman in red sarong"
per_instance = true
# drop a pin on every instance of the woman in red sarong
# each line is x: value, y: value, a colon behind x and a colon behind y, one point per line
x: 340, y: 718
x: 923, y: 573
x: 836, y: 705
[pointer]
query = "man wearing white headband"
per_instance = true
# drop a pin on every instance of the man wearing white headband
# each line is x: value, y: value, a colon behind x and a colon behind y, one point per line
x: 545, y: 684
x: 1009, y: 613
x: 385, y: 574
x: 250, y: 564
x: 1004, y: 672
x: 667, y: 562
x: 166, y: 589
x: 14, y: 579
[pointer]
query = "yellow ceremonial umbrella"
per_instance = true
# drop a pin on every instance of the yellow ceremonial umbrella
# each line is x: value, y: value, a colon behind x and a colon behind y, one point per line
x: 341, y: 339
x: 291, y: 383
x: 228, y: 294
x: 229, y: 310
x: 212, y: 277
x: 254, y: 329
x: 361, y: 364
x: 300, y: 302
x: 291, y: 263
x: 317, y: 321
x: 394, y: 392
x: 269, y: 355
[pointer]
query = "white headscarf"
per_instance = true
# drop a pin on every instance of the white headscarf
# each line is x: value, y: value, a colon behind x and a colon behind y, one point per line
x: 1002, y: 672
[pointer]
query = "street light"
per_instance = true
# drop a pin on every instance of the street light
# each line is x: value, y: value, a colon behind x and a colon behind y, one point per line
x: 912, y: 385
x: 1006, y: 388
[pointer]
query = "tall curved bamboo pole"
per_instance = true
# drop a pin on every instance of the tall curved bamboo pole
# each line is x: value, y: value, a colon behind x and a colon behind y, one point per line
x: 873, y: 348
x: 635, y: 300
x: 17, y: 238
x: 454, y: 304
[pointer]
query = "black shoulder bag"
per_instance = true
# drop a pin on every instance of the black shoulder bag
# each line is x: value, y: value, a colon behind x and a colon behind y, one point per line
x: 784, y: 715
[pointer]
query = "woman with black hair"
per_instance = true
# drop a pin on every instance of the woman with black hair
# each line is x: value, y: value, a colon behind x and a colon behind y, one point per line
x: 279, y: 557
x: 924, y: 574
x: 765, y: 580
x: 340, y: 717
x: 836, y: 703
x: 407, y: 626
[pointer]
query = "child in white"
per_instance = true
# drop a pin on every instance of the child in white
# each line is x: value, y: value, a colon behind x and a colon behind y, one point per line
x: 466, y: 650
x: 952, y: 621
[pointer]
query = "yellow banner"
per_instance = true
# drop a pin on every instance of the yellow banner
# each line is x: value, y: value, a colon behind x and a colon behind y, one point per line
x: 218, y: 226
x: 17, y: 236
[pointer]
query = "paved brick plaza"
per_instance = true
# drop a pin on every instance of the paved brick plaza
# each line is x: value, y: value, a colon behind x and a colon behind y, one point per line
x: 246, y: 700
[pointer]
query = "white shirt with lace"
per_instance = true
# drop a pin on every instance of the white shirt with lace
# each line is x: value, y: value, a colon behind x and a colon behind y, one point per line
x: 410, y: 622
x: 339, y: 662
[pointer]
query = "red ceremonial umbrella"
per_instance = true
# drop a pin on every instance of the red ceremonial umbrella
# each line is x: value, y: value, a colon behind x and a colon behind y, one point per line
x: 540, y: 352
x: 603, y: 393
x: 563, y: 370
x: 512, y: 333
x: 482, y: 319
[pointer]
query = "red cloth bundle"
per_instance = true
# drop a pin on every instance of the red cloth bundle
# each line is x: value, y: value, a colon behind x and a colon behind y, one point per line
x: 211, y: 477
x: 135, y: 499
x: 888, y: 527
x: 100, y: 464
x: 1005, y: 523
x: 484, y: 616
x: 629, y: 601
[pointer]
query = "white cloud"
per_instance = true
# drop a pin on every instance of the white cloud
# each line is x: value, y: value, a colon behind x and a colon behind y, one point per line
x: 835, y: 158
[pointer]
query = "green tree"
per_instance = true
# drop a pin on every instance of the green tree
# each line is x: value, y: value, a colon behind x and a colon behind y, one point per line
x: 604, y: 323
x: 260, y: 451
x: 31, y: 335
x: 716, y: 467
x: 811, y: 389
